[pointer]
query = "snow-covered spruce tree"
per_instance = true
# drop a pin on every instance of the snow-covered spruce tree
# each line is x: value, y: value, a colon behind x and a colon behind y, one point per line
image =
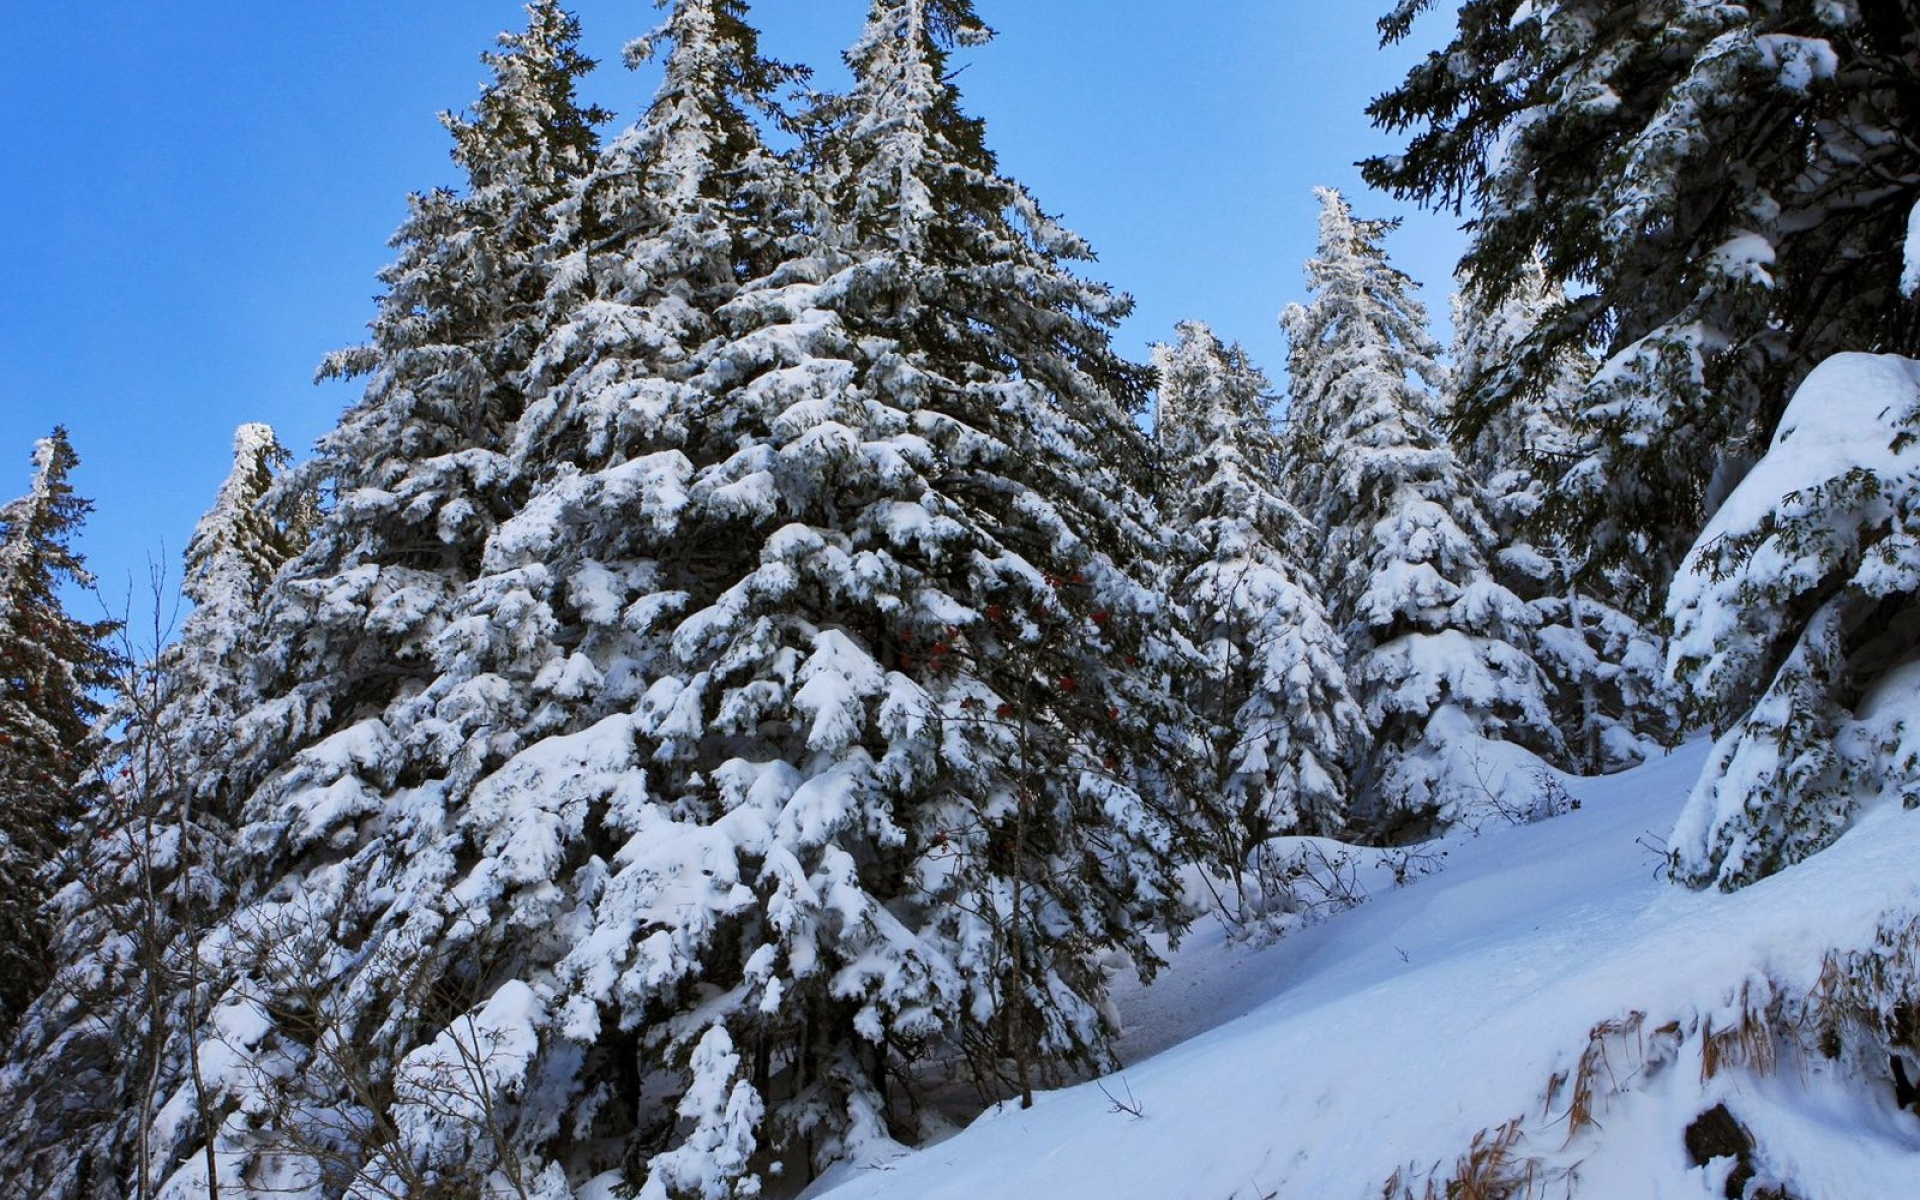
x: 109, y: 1036
x: 1439, y: 652
x: 1604, y: 667
x: 1274, y: 690
x: 392, y: 672
x: 1795, y: 625
x: 435, y: 839
x: 1518, y: 450
x: 260, y: 520
x: 676, y: 851
x: 902, y: 792
x: 53, y: 668
x: 1730, y: 183
x: 908, y: 168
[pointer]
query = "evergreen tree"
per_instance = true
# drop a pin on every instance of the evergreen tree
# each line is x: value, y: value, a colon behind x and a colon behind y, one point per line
x: 260, y: 521
x: 1521, y: 448
x: 1274, y: 690
x: 656, y: 237
x: 53, y: 668
x: 1730, y: 183
x: 388, y: 678
x: 903, y: 754
x: 110, y: 1037
x: 803, y: 712
x: 1604, y: 666
x: 1439, y: 652
x: 1794, y: 630
x: 968, y: 252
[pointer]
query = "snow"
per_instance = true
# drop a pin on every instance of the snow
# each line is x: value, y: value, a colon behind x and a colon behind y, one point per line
x: 1745, y: 257
x: 1762, y: 610
x: 445, y: 1087
x: 1845, y: 416
x: 1387, y: 1037
x: 1798, y: 62
x: 1910, y: 275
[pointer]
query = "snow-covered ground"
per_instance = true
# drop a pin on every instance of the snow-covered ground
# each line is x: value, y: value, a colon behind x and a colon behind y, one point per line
x: 1386, y: 1038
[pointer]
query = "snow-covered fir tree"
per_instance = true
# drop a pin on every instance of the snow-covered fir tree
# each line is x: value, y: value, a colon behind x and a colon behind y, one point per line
x: 662, y: 230
x: 53, y: 669
x: 1283, y: 726
x: 902, y: 735
x: 260, y: 520
x: 1795, y: 624
x: 1516, y: 449
x: 1730, y: 182
x: 1604, y: 666
x: 908, y: 168
x: 1439, y: 651
x: 380, y: 688
x: 108, y: 1038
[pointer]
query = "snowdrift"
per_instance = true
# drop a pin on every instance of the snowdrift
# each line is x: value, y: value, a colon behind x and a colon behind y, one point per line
x: 1545, y: 1016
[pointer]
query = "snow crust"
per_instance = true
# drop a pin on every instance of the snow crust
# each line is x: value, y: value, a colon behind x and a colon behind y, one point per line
x: 1387, y: 1037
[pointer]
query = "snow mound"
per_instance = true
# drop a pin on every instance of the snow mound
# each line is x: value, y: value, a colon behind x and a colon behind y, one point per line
x: 1547, y: 1006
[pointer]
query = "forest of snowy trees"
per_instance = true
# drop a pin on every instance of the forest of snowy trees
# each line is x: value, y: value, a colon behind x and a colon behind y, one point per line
x: 756, y: 652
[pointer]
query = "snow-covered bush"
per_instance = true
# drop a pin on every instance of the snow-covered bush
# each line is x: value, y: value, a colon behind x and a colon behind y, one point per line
x: 1795, y: 628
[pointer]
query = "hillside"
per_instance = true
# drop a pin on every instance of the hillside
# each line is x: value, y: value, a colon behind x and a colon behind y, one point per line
x: 1403, y: 1034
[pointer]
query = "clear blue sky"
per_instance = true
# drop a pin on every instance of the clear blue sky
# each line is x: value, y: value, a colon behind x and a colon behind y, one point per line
x: 195, y: 197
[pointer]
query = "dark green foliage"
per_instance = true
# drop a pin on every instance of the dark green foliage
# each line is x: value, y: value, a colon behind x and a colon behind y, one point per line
x: 1726, y: 187
x: 971, y: 254
x: 53, y: 668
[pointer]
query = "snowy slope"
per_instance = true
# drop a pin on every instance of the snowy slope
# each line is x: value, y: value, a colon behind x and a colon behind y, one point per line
x: 1390, y: 1036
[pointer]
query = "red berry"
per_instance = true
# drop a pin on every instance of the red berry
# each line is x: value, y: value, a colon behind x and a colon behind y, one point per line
x: 1100, y: 618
